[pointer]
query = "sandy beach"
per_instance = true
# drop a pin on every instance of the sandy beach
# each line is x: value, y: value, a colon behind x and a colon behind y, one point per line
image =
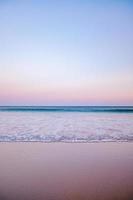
x: 66, y: 171
x: 66, y: 100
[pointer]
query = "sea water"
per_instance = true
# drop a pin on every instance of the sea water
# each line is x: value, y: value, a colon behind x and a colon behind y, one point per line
x: 66, y: 123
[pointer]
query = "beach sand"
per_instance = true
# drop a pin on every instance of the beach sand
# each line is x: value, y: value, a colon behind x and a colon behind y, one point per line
x: 66, y: 171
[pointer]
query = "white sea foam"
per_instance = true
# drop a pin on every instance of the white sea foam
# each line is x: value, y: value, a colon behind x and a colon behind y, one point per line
x: 66, y: 126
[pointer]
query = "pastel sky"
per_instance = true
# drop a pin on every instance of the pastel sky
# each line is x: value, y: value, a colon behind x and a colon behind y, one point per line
x: 66, y: 52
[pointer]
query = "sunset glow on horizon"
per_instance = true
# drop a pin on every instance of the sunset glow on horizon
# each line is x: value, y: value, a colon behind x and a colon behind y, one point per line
x: 66, y: 52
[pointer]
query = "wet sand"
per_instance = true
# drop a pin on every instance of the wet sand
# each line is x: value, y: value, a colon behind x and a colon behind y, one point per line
x: 63, y: 171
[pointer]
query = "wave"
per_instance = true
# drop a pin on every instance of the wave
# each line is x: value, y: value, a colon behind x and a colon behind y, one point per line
x: 121, y: 109
x: 64, y: 138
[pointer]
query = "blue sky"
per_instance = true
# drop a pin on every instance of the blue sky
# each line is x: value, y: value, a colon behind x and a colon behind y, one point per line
x: 66, y: 52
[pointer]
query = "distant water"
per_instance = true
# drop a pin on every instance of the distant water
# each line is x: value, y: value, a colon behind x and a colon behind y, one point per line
x: 66, y: 123
x: 68, y: 108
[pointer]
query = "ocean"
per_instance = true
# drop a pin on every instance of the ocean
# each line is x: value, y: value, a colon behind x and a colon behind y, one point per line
x: 66, y: 123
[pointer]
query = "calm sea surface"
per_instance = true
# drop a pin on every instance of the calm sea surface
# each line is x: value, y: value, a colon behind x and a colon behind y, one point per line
x: 66, y: 123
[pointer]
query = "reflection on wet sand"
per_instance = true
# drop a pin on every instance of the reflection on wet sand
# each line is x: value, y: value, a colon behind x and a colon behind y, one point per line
x: 60, y: 171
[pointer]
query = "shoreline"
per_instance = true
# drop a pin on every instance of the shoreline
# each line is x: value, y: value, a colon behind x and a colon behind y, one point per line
x: 67, y: 142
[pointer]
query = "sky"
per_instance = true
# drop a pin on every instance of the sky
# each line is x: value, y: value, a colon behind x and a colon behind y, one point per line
x: 66, y: 52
